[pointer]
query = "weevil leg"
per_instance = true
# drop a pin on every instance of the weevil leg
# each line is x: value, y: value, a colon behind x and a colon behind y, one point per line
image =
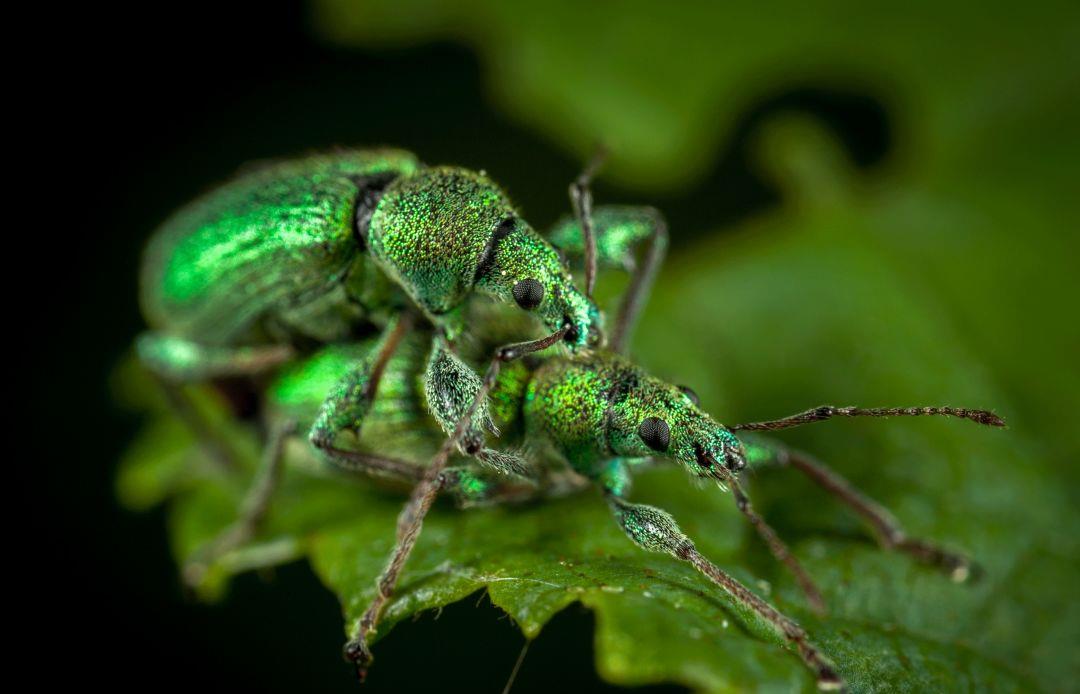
x: 476, y: 487
x: 411, y: 519
x: 451, y: 387
x: 348, y: 403
x: 617, y: 230
x: 640, y: 283
x: 656, y: 530
x: 888, y: 531
x: 252, y: 511
x: 581, y: 202
x: 174, y: 361
x: 778, y: 547
x: 183, y: 361
x: 216, y: 447
x: 373, y: 465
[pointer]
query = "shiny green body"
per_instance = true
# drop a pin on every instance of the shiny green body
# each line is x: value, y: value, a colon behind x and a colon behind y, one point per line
x: 328, y: 248
x: 563, y: 408
x: 314, y: 246
x: 441, y: 253
x: 397, y: 424
x: 268, y: 254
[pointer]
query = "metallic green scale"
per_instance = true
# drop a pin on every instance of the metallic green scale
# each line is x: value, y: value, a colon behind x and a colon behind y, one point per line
x: 398, y: 422
x: 272, y: 240
x: 324, y: 246
x: 440, y: 252
x: 591, y: 407
x: 586, y: 408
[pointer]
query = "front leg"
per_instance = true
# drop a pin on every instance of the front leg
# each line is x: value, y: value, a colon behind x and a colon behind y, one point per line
x: 349, y: 402
x: 890, y: 534
x: 617, y: 230
x: 174, y: 361
x: 411, y: 519
x: 179, y: 360
x: 452, y: 387
x: 655, y: 530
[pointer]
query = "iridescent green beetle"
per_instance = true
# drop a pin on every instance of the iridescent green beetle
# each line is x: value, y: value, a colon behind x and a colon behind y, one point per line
x: 590, y: 418
x: 315, y: 250
x: 311, y: 249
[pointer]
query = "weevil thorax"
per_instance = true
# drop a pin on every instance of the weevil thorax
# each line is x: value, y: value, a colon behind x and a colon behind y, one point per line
x: 445, y: 232
x: 599, y: 406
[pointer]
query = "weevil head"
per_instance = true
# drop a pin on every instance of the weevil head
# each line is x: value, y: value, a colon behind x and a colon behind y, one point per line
x: 652, y: 418
x: 524, y: 269
x: 445, y: 232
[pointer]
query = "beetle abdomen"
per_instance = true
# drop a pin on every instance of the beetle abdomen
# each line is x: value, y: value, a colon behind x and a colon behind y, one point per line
x: 271, y: 240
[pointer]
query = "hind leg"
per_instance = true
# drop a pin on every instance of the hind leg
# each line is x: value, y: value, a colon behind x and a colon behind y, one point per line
x: 253, y: 510
x: 175, y: 361
x: 887, y: 529
x: 411, y: 519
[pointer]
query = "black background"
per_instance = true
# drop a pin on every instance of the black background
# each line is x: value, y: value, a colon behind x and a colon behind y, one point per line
x: 141, y: 113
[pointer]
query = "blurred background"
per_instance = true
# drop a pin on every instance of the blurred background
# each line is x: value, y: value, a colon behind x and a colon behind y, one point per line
x: 867, y: 205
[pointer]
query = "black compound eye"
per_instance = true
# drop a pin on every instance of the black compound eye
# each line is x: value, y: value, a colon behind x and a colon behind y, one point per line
x: 528, y: 293
x: 689, y: 392
x: 655, y: 433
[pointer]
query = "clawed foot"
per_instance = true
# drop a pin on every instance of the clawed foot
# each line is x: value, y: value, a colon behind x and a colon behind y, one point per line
x: 829, y: 681
x: 356, y: 652
x: 959, y: 568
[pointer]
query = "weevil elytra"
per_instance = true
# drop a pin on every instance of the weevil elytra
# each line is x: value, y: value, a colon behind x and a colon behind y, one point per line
x: 296, y: 260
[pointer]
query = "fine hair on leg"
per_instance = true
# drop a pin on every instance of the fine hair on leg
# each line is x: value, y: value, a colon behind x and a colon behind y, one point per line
x: 656, y: 530
x: 778, y: 547
x: 887, y: 529
x: 253, y: 510
x: 411, y: 519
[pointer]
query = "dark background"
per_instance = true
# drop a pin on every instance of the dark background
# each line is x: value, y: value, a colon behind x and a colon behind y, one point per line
x: 151, y: 110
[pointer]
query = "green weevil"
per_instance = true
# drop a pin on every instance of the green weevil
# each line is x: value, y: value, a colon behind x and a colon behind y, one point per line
x: 587, y: 418
x: 307, y: 250
x: 243, y: 281
x: 314, y: 250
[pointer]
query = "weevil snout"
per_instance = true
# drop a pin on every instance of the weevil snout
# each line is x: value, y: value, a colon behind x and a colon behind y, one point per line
x: 734, y: 458
x: 719, y: 448
x: 583, y: 333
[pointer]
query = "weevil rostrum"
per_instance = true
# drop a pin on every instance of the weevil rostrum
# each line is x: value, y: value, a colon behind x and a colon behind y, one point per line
x: 272, y: 277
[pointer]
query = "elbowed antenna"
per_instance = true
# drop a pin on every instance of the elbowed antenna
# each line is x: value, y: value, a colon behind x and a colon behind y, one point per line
x: 824, y: 412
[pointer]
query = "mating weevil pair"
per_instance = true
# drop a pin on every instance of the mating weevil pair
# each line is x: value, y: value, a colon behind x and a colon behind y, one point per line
x: 276, y: 271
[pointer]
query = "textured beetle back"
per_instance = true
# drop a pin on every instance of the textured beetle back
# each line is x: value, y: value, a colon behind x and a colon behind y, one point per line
x: 430, y: 230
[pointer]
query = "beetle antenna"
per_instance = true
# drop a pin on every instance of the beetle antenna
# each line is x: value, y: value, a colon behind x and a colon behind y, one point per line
x: 824, y: 412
